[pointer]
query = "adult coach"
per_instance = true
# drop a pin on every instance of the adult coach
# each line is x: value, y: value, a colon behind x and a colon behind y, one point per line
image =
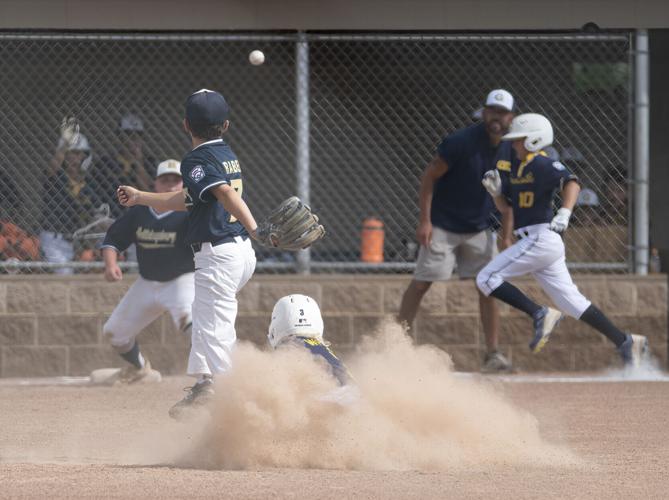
x: 165, y: 281
x: 219, y: 225
x: 455, y: 215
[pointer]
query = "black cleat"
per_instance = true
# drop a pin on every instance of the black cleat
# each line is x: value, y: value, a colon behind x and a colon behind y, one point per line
x: 198, y: 395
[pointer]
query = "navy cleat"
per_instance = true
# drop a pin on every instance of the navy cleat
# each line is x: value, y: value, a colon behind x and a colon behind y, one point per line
x: 198, y: 395
x: 633, y: 350
x: 545, y: 320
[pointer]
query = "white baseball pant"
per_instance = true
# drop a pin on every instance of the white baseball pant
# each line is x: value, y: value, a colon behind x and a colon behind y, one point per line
x: 221, y: 272
x: 144, y: 302
x: 541, y: 253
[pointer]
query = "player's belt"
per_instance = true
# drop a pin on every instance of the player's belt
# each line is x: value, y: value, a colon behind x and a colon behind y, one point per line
x: 196, y: 247
x: 527, y: 231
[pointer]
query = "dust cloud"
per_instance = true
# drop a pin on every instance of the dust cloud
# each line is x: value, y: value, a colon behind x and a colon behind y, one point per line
x: 411, y: 413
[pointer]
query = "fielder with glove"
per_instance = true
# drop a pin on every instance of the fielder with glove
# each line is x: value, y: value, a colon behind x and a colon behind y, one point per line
x: 527, y: 192
x: 219, y: 226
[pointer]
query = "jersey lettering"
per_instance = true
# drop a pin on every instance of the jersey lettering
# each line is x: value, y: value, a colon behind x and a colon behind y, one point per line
x: 526, y: 199
x: 231, y: 167
x: 150, y: 238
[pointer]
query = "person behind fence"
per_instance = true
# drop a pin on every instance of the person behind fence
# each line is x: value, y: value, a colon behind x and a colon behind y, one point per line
x: 455, y: 216
x: 219, y: 225
x: 69, y: 202
x: 165, y: 281
x: 129, y: 165
x: 16, y: 242
x: 527, y: 192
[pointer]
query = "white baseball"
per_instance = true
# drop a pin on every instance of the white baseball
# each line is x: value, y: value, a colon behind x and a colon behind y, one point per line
x: 256, y: 57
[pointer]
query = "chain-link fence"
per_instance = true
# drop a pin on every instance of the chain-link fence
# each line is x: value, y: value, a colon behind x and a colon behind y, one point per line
x: 377, y: 107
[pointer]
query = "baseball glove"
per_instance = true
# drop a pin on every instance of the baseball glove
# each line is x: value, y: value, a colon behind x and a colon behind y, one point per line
x: 290, y: 226
x: 69, y: 131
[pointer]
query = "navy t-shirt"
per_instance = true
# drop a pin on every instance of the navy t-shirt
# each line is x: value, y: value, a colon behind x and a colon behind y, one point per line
x: 531, y: 186
x: 162, y: 253
x: 460, y: 203
x: 210, y: 164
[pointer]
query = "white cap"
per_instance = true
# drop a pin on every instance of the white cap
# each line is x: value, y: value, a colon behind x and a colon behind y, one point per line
x: 588, y: 198
x: 500, y: 98
x: 168, y: 167
x: 131, y: 123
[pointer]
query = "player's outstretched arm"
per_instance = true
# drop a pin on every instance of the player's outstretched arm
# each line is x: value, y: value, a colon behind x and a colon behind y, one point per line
x: 129, y: 197
x: 236, y: 206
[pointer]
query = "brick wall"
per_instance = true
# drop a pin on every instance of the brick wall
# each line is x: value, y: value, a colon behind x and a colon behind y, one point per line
x: 52, y: 326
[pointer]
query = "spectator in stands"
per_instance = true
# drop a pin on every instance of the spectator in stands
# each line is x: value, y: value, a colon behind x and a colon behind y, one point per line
x: 15, y: 242
x: 130, y: 165
x: 69, y: 201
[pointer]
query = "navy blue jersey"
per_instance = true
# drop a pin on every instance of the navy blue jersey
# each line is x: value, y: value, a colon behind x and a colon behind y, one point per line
x: 208, y: 165
x: 317, y: 348
x: 162, y: 253
x: 460, y: 203
x: 531, y: 186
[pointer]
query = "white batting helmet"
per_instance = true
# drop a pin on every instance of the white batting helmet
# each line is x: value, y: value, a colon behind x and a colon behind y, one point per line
x: 295, y: 315
x: 535, y: 128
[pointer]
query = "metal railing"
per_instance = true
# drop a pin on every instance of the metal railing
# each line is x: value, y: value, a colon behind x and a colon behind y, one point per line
x: 346, y: 121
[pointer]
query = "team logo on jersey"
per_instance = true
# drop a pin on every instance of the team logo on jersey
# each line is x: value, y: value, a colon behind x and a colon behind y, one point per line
x: 559, y: 166
x: 197, y: 173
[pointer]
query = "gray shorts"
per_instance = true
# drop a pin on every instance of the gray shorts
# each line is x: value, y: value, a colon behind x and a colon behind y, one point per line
x: 471, y: 252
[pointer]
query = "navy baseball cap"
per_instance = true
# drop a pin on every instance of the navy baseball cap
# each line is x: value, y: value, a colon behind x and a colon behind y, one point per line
x: 205, y: 108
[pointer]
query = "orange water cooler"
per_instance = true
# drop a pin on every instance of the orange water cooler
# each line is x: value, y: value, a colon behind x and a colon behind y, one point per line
x: 371, y: 240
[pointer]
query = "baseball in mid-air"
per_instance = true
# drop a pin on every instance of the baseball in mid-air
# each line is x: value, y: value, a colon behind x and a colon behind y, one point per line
x: 256, y: 57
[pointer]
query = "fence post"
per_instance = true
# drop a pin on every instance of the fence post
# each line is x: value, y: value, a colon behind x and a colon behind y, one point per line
x: 302, y: 137
x: 641, y: 154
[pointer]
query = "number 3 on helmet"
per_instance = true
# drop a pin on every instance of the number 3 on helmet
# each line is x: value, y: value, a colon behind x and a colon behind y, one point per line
x: 295, y: 315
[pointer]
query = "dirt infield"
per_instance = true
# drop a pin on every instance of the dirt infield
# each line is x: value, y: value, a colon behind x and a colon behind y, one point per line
x: 91, y: 442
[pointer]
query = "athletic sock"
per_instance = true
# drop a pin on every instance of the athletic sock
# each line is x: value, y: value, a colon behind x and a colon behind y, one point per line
x: 598, y: 320
x: 134, y: 357
x: 508, y: 293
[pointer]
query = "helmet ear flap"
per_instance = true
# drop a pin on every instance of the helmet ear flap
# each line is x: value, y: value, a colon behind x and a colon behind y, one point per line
x: 533, y: 143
